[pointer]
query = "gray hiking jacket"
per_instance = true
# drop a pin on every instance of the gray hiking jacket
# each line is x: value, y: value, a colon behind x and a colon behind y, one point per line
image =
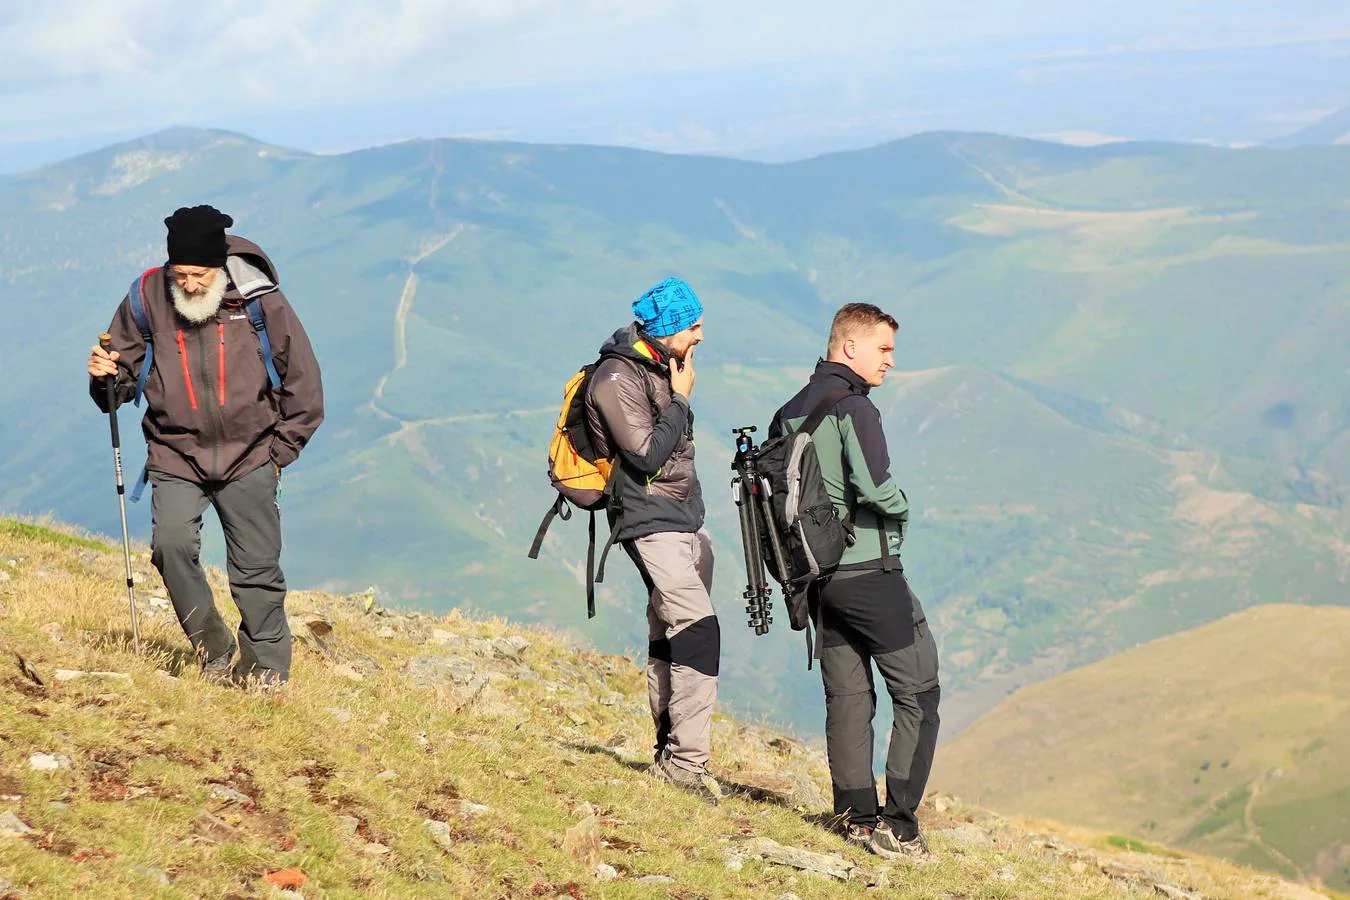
x: 633, y: 414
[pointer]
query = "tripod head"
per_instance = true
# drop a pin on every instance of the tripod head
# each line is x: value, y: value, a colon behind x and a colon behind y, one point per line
x: 745, y: 445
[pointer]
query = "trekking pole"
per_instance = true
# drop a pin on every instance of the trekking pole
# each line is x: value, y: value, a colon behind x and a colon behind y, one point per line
x: 110, y: 381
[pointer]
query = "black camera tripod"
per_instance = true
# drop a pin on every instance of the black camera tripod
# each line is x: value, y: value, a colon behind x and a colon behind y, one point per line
x: 753, y: 499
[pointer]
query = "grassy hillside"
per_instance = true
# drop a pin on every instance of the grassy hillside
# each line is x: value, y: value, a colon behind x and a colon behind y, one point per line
x: 1231, y: 739
x: 1122, y: 412
x: 416, y: 756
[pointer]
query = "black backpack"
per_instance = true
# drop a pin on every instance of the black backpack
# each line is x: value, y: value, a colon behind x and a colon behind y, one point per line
x: 809, y: 529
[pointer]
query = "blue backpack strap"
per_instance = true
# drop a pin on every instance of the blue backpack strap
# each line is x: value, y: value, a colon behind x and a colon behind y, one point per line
x: 141, y: 483
x: 255, y: 318
x: 136, y: 295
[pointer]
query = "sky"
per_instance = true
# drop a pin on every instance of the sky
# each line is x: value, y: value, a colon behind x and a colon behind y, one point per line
x: 674, y: 74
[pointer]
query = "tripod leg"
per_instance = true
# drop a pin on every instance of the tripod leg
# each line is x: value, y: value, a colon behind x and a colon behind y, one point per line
x: 747, y: 513
x: 775, y: 545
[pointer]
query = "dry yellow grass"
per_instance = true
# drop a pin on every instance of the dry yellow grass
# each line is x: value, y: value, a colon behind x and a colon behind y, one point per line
x: 171, y: 787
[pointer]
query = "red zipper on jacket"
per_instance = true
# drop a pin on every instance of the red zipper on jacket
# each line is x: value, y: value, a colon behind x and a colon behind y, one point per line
x: 187, y: 373
x: 220, y: 329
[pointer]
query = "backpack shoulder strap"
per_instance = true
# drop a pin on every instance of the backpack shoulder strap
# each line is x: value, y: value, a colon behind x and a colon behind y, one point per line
x: 637, y: 370
x: 136, y: 298
x: 823, y: 409
x: 259, y: 323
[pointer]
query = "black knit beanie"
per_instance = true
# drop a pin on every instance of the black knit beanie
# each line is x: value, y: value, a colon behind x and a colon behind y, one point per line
x: 197, y: 236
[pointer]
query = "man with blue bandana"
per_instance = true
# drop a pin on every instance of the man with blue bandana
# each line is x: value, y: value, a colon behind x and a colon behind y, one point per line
x: 638, y: 413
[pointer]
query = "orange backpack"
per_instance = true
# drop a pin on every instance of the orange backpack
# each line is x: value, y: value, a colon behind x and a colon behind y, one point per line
x: 581, y: 477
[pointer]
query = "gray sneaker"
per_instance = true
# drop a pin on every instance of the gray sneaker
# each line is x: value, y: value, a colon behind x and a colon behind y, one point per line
x: 699, y: 783
x: 858, y: 834
x: 219, y: 670
x: 885, y: 843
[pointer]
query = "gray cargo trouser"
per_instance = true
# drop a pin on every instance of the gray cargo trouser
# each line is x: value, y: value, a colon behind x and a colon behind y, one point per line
x: 858, y: 627
x: 684, y: 642
x: 251, y: 520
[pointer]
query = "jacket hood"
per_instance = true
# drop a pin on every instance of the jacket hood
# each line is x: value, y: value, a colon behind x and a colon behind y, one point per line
x: 631, y: 343
x: 251, y: 270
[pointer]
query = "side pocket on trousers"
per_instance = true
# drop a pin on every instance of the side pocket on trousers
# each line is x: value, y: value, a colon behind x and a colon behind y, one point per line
x: 926, y: 655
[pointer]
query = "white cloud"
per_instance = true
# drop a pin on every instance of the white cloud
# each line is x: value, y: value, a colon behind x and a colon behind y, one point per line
x: 76, y: 63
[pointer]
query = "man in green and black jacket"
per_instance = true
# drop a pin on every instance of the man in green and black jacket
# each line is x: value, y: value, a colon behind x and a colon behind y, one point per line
x: 867, y: 612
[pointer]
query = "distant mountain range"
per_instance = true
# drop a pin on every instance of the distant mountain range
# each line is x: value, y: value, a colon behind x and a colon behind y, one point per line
x: 1333, y: 130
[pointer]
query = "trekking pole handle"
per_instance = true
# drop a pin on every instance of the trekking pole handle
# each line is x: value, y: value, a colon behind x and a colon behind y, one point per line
x: 110, y: 384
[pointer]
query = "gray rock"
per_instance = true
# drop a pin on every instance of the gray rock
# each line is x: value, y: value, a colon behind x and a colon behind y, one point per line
x: 158, y: 876
x: 654, y: 879
x: 230, y: 795
x: 470, y: 810
x: 46, y: 762
x: 313, y: 631
x: 12, y: 826
x: 969, y: 835
x: 442, y: 638
x: 511, y: 647
x: 76, y: 675
x: 606, y: 872
x: 58, y: 805
x: 429, y: 671
x: 824, y: 863
x: 440, y: 833
x: 1006, y: 875
x: 348, y: 824
x: 373, y: 849
x: 387, y: 775
x: 160, y: 606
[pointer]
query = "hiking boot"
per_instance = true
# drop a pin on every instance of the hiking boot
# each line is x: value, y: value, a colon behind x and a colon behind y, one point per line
x: 699, y: 783
x: 885, y: 843
x: 219, y: 670
x: 858, y: 834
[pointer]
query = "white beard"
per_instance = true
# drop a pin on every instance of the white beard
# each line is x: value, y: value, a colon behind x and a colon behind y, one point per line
x: 202, y: 307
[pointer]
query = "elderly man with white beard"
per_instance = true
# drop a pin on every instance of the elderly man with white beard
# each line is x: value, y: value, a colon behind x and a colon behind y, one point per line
x: 223, y: 418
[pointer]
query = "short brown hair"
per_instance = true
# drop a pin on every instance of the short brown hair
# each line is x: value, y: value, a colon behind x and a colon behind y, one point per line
x: 854, y: 317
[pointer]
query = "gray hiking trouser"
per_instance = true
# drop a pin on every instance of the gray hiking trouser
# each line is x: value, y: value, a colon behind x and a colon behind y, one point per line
x: 858, y: 627
x: 684, y: 642
x: 251, y: 519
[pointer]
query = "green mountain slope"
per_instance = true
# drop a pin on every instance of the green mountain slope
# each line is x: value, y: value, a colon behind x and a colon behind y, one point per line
x: 1230, y: 739
x: 1123, y: 411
